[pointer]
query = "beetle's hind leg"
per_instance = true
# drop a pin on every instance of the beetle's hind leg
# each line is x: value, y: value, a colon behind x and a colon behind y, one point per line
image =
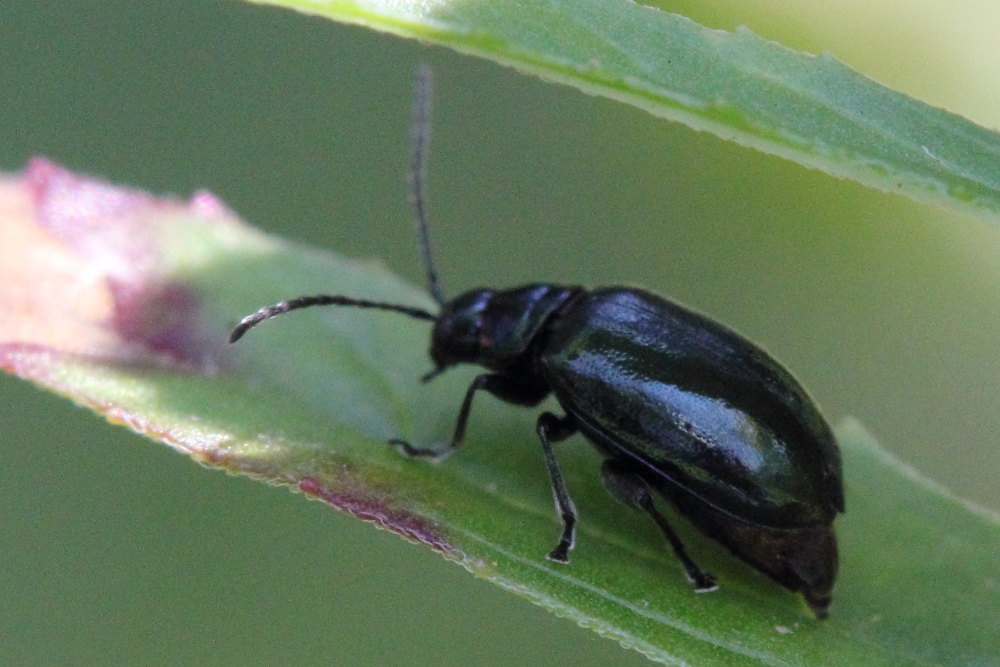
x: 628, y: 487
x: 553, y: 429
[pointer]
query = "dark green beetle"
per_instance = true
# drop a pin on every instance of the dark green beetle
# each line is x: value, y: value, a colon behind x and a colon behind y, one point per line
x: 675, y: 402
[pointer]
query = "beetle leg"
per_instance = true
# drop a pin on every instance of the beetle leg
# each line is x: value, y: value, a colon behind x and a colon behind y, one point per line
x: 553, y: 429
x: 628, y: 487
x: 500, y: 386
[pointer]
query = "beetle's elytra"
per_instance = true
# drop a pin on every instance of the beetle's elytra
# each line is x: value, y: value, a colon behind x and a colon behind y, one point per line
x: 676, y: 402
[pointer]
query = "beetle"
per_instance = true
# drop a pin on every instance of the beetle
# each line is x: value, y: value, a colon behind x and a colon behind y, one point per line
x: 677, y: 403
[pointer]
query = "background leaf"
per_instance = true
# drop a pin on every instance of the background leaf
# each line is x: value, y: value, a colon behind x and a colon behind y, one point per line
x: 810, y: 109
x: 310, y: 402
x: 885, y: 309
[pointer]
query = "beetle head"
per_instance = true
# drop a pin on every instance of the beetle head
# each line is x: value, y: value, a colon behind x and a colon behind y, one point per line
x: 457, y: 336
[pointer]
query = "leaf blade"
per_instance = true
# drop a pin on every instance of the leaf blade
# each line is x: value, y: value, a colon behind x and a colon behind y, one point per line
x: 812, y: 110
x: 308, y: 402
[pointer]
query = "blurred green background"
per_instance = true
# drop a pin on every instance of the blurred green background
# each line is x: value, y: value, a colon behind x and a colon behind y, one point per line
x: 118, y: 550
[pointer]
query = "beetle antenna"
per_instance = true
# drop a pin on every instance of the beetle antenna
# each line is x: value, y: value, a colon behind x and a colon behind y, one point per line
x: 252, y: 320
x: 420, y: 136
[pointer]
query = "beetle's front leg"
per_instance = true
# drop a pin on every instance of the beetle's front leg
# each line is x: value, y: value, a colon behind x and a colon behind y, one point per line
x: 553, y: 429
x: 500, y: 386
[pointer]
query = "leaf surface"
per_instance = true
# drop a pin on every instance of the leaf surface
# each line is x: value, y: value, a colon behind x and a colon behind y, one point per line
x: 122, y: 302
x: 813, y: 110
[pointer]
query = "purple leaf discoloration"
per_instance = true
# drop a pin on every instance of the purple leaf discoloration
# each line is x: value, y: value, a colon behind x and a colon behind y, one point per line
x: 403, y: 523
x: 90, y: 271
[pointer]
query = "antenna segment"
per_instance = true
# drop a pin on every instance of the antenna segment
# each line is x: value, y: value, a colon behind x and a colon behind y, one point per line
x: 252, y: 320
x: 420, y: 136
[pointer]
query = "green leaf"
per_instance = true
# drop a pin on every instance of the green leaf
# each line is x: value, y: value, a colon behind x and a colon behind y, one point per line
x: 810, y: 109
x: 122, y: 302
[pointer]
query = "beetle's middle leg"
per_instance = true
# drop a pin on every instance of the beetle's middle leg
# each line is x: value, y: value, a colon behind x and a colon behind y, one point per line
x: 628, y: 487
x: 553, y: 429
x: 500, y: 386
